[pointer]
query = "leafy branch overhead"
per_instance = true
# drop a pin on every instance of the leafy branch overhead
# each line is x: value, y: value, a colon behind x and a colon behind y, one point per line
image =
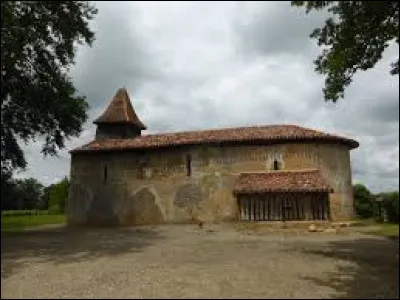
x: 353, y: 39
x: 38, y: 45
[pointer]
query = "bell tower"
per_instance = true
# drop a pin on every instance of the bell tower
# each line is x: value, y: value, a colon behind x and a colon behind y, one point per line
x: 119, y: 120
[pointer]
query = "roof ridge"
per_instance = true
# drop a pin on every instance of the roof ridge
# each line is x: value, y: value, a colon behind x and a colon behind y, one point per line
x: 239, y: 128
x: 281, y: 171
x: 250, y: 134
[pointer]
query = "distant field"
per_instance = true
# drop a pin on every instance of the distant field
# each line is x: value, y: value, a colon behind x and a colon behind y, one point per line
x: 372, y: 227
x: 24, y: 212
x: 387, y: 230
x: 24, y: 219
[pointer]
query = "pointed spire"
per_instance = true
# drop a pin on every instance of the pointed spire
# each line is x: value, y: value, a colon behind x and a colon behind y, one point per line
x: 120, y: 111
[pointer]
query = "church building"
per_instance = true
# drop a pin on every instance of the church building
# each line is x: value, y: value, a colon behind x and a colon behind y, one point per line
x: 258, y: 173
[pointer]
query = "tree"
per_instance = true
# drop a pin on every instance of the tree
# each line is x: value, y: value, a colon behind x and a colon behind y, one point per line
x: 29, y: 193
x: 58, y: 195
x: 363, y: 201
x: 353, y: 39
x: 20, y: 194
x: 391, y: 205
x: 45, y: 199
x: 38, y: 45
x: 8, y: 192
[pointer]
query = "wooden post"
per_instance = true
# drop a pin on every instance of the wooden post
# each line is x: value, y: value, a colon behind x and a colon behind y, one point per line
x: 328, y: 206
x: 258, y: 208
x: 241, y: 210
x: 312, y: 206
x: 255, y: 208
x: 251, y: 215
x: 248, y: 208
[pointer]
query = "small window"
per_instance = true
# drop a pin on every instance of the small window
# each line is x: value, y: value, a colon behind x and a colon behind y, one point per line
x: 188, y: 165
x: 105, y: 175
x: 146, y: 174
x: 276, y: 165
x: 143, y: 165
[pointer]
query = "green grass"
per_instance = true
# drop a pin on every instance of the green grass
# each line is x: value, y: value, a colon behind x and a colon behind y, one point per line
x: 389, y: 230
x: 377, y: 228
x: 25, y: 212
x: 26, y: 221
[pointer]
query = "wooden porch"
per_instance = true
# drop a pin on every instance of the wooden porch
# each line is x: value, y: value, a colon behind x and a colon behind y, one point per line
x: 294, y: 206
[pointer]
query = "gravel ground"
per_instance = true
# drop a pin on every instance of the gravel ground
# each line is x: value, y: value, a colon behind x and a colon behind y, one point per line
x: 181, y: 261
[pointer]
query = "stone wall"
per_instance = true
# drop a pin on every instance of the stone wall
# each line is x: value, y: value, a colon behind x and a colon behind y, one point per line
x: 152, y: 187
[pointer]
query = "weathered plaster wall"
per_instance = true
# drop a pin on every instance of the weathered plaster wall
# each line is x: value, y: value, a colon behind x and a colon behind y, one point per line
x: 153, y: 187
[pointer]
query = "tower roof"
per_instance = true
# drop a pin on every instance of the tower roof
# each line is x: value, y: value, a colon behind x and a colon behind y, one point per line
x: 120, y: 111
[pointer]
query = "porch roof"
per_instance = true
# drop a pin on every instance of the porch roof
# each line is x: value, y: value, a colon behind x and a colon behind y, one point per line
x: 281, y: 181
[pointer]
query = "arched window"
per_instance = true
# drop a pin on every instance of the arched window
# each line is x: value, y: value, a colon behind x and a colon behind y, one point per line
x: 105, y: 174
x: 188, y: 165
x: 276, y: 165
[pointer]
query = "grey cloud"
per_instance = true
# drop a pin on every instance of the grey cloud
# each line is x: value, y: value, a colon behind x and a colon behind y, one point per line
x: 385, y: 109
x: 185, y: 115
x: 46, y: 169
x: 278, y: 29
x: 373, y: 168
x: 119, y: 56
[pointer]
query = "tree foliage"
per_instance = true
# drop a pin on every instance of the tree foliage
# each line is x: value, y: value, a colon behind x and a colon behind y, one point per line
x: 45, y: 199
x: 363, y: 201
x: 29, y: 194
x: 58, y: 195
x: 38, y: 45
x: 367, y: 206
x: 8, y: 192
x: 391, y: 205
x: 20, y: 194
x: 353, y: 39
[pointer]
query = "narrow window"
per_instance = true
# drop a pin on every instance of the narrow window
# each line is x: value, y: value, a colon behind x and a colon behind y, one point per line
x: 105, y: 174
x: 143, y: 164
x: 188, y: 165
x: 276, y: 165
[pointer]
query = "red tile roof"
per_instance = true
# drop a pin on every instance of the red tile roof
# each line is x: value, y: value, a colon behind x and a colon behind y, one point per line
x: 243, y: 135
x: 120, y: 110
x: 281, y: 181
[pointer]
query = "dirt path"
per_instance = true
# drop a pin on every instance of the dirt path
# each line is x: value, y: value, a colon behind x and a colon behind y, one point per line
x: 182, y: 262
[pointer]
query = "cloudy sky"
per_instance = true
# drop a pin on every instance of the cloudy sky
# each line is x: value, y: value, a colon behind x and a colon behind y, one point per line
x: 198, y: 65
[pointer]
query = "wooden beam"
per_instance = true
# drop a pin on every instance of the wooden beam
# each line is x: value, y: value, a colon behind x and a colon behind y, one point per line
x: 258, y: 208
x: 329, y: 205
x: 246, y: 205
x: 241, y: 208
x: 261, y: 209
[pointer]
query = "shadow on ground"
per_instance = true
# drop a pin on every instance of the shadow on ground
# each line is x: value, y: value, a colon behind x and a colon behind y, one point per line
x: 369, y: 268
x: 65, y: 245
